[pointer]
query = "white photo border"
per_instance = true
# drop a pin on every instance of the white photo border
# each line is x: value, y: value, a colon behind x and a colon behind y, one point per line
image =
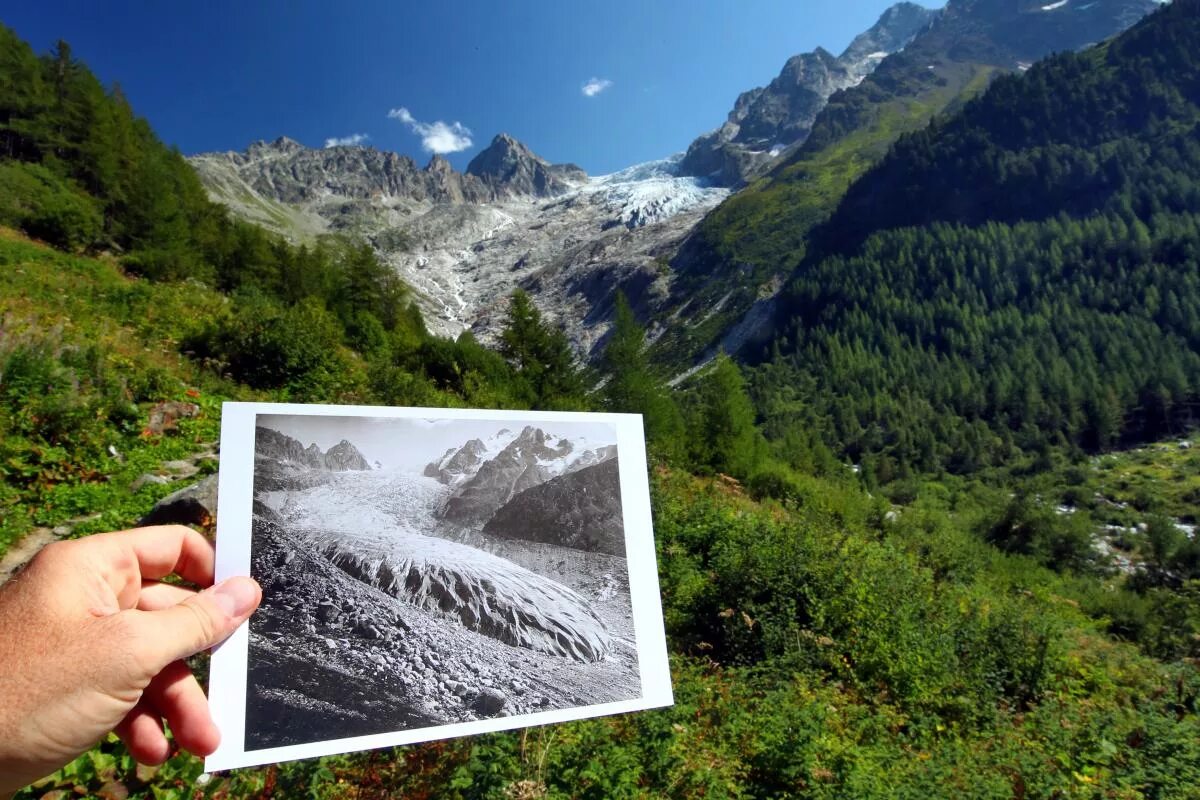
x: 228, y: 669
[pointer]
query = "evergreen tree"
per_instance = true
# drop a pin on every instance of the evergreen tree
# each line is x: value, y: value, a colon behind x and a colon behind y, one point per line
x: 633, y: 388
x: 724, y: 438
x: 541, y: 356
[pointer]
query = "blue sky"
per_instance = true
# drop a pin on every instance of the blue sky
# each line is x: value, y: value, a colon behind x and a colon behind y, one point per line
x: 218, y: 75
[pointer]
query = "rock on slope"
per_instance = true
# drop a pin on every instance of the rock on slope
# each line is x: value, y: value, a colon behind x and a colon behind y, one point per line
x: 581, y: 510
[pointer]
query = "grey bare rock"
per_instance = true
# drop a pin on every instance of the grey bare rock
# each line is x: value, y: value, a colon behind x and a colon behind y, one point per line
x: 345, y: 456
x: 479, y: 603
x: 288, y: 453
x: 581, y: 510
x: 463, y: 242
x: 511, y: 169
x: 147, y: 479
x: 767, y: 120
x: 490, y: 702
x: 459, y: 463
x: 165, y: 416
x: 194, y: 505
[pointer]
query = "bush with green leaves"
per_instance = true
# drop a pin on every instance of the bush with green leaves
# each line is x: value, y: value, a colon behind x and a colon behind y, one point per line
x: 265, y: 345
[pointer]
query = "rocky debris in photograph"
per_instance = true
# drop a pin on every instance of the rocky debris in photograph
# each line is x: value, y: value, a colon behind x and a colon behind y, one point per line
x: 193, y: 505
x: 482, y: 592
x: 580, y: 510
x: 530, y: 459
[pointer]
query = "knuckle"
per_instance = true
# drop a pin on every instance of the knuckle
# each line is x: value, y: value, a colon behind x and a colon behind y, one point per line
x: 205, y: 626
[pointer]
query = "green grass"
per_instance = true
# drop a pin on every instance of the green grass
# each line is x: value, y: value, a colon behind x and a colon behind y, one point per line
x: 102, y: 349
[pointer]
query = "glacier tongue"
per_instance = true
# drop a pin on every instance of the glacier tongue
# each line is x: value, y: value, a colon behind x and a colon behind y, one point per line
x: 652, y: 192
x: 370, y: 526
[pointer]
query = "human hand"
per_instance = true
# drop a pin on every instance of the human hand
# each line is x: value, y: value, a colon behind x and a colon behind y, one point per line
x: 92, y: 642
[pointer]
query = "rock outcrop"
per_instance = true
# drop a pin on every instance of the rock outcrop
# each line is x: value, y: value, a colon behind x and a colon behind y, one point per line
x: 769, y: 119
x: 193, y: 505
x: 461, y: 463
x: 286, y: 171
x: 581, y: 510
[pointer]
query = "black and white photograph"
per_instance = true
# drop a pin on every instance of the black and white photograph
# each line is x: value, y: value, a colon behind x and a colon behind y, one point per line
x: 427, y: 573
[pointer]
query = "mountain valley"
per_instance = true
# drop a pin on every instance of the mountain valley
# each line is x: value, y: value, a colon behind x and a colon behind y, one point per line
x: 464, y: 241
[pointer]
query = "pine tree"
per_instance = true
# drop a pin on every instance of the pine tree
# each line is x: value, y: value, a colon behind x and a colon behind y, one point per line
x: 632, y: 387
x: 541, y: 356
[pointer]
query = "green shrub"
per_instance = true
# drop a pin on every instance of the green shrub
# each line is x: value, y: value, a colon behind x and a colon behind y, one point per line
x: 264, y: 345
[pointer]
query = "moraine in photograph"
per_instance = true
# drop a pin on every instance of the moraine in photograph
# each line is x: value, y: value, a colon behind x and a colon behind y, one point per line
x: 427, y: 572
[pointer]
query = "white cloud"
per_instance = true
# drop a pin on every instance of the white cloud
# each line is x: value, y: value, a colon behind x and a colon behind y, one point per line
x: 341, y: 141
x: 595, y: 86
x: 436, y: 137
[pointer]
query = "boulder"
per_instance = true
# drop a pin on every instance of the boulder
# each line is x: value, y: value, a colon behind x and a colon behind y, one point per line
x: 194, y: 505
x: 147, y: 479
x: 165, y: 416
x: 489, y: 702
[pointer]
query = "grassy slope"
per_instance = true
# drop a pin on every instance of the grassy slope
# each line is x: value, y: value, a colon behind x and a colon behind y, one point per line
x: 56, y: 305
x: 817, y: 650
x: 843, y: 631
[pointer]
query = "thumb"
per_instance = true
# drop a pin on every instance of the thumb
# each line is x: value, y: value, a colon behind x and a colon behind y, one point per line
x: 205, y: 619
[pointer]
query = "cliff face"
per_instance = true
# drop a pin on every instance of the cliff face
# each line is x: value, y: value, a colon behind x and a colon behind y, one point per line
x: 581, y: 510
x: 769, y: 119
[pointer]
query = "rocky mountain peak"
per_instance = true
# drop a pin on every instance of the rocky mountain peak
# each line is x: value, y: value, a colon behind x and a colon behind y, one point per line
x: 281, y: 145
x: 345, y: 456
x: 767, y: 120
x: 511, y: 167
x: 488, y: 474
x: 894, y: 30
x: 287, y: 452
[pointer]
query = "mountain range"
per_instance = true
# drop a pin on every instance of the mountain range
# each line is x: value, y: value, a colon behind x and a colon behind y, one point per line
x: 486, y: 475
x: 463, y: 241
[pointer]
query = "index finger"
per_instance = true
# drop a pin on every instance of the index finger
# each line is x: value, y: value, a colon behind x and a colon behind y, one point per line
x: 161, y: 550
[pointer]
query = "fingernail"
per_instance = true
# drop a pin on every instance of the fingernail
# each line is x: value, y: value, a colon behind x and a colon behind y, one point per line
x: 236, y: 596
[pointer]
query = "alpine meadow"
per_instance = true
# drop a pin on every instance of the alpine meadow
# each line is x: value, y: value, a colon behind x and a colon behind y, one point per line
x: 915, y: 335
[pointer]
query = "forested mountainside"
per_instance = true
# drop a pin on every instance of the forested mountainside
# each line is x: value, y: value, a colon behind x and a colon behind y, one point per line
x: 745, y: 249
x: 920, y: 624
x: 1017, y: 277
